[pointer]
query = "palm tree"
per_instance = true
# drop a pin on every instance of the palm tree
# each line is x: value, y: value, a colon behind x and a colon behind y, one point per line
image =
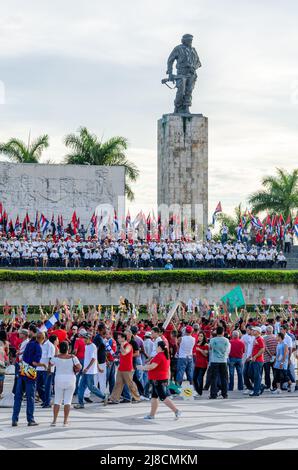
x: 19, y: 152
x: 280, y: 194
x: 87, y: 149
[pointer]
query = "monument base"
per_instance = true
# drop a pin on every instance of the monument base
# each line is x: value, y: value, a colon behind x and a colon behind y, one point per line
x: 183, y: 167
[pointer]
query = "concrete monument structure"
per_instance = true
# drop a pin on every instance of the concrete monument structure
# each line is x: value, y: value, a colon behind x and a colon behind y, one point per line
x: 183, y: 144
x: 59, y: 189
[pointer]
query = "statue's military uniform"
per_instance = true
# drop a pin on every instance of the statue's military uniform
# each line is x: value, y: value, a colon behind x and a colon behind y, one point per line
x: 187, y: 62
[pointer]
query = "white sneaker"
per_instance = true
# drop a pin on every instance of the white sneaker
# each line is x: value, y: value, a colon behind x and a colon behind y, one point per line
x: 245, y: 392
x: 276, y: 392
x: 177, y: 415
x: 292, y: 388
x: 144, y: 398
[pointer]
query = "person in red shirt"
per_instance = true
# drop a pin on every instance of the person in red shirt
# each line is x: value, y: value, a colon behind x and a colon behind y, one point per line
x: 257, y: 358
x: 158, y: 374
x: 201, y: 362
x: 60, y: 333
x: 125, y: 372
x: 235, y: 360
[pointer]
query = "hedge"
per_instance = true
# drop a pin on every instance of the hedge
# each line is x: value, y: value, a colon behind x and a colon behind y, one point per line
x: 175, y: 276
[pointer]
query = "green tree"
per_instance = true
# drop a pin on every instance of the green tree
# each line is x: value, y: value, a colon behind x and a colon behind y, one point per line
x: 231, y: 221
x: 280, y: 194
x: 20, y: 152
x: 87, y: 149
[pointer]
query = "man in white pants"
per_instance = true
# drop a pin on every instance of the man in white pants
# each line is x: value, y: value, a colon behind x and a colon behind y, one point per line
x: 100, y: 343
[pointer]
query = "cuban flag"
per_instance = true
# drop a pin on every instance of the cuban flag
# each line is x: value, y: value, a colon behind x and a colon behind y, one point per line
x: 108, y: 344
x: 239, y: 231
x: 44, y: 223
x: 288, y: 222
x: 255, y: 221
x: 17, y: 226
x: 93, y: 225
x: 116, y: 223
x: 50, y: 322
x: 128, y: 220
x: 296, y: 226
x: 217, y: 210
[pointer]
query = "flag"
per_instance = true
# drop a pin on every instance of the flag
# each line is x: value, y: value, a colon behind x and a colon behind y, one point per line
x: 10, y: 228
x: 281, y: 220
x: 44, y: 223
x: 296, y: 226
x: 4, y: 221
x: 217, y: 210
x: 288, y: 222
x: 115, y: 223
x: 256, y: 223
x: 234, y: 298
x: 17, y: 225
x: 53, y: 225
x: 74, y: 223
x: 36, y: 223
x: 50, y: 322
x: 148, y: 227
x: 239, y: 231
x: 127, y: 220
x: 1, y: 208
x: 93, y: 225
x: 26, y: 222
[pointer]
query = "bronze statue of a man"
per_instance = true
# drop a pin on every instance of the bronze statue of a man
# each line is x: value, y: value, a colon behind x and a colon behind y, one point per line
x: 187, y: 62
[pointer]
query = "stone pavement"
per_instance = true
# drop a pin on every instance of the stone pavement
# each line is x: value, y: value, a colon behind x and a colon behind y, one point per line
x: 241, y: 422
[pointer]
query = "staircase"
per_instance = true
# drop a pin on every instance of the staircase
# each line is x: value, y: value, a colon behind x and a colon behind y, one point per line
x: 292, y: 258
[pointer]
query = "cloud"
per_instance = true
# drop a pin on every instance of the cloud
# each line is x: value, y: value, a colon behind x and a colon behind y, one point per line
x: 99, y: 64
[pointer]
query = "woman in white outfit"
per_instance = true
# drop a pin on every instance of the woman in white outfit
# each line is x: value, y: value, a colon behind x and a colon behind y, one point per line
x: 67, y: 366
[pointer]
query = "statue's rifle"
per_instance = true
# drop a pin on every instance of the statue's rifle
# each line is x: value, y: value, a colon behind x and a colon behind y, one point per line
x: 172, y: 79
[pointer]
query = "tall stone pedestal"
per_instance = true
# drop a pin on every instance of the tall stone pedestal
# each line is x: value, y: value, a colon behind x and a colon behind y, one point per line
x: 183, y: 167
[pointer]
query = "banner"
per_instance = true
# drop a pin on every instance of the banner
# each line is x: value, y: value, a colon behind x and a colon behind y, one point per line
x: 234, y: 298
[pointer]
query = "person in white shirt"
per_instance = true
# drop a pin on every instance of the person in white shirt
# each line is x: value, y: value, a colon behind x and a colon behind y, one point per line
x: 156, y: 338
x: 65, y: 380
x: 89, y: 372
x: 44, y: 377
x: 248, y: 340
x: 281, y: 260
x: 185, y: 356
x: 291, y: 346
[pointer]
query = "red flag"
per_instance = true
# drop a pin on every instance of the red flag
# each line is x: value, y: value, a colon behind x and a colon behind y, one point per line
x: 288, y: 221
x: 1, y: 208
x: 74, y: 221
x: 281, y: 220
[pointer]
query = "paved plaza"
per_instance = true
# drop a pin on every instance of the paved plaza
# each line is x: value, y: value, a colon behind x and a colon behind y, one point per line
x: 240, y: 423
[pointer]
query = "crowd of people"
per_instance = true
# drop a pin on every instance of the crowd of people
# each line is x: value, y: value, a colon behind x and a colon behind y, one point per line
x: 76, y: 251
x: 128, y: 360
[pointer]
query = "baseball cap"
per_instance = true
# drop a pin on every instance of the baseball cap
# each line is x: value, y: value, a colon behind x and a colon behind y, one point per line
x: 257, y: 328
x: 86, y: 335
x: 188, y: 329
x: 148, y: 334
x: 82, y: 332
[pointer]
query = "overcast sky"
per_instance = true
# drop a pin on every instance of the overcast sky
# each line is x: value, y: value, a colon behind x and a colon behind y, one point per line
x: 99, y: 64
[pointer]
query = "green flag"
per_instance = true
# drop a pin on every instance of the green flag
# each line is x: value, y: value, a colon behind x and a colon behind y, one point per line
x: 234, y: 298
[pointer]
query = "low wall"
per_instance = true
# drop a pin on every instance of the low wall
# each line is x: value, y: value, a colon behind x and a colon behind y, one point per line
x: 105, y: 293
